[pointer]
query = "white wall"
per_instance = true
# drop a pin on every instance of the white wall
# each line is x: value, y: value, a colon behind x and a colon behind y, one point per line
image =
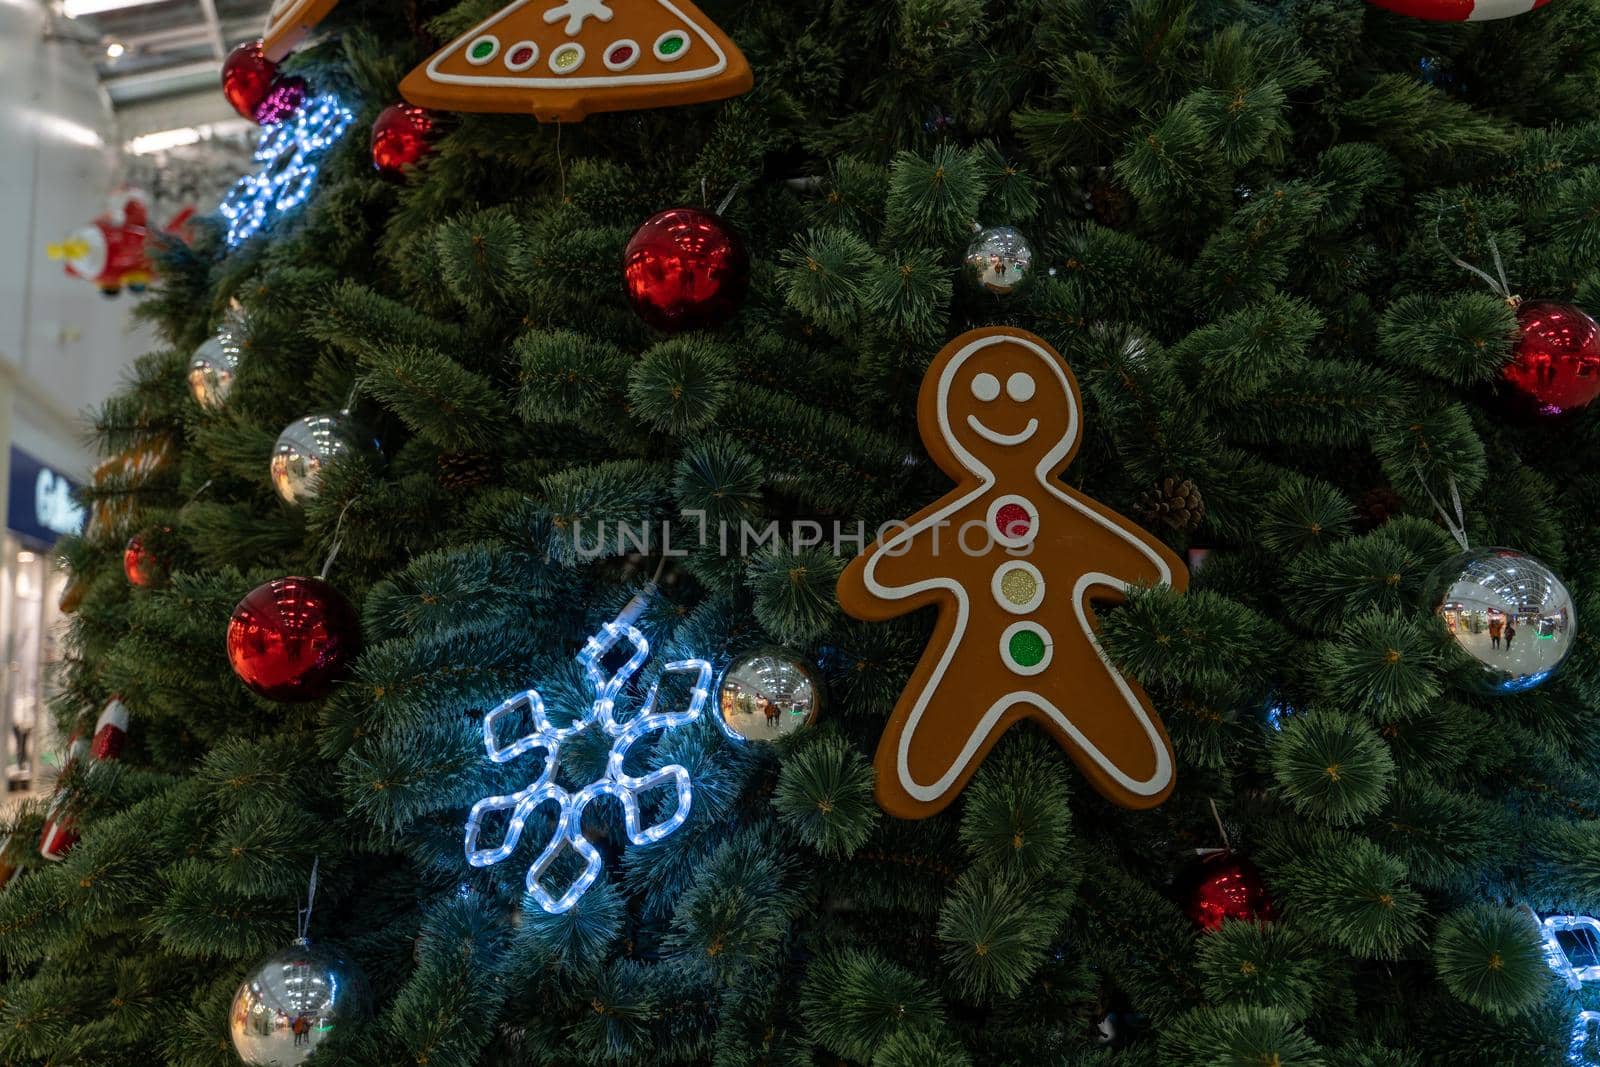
x: 62, y: 342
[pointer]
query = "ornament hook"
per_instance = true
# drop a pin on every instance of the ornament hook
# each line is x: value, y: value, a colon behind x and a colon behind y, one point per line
x: 1501, y: 287
x: 1456, y: 525
x: 303, y: 915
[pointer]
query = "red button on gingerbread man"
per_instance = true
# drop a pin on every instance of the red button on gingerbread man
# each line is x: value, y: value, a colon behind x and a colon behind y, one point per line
x: 1012, y: 559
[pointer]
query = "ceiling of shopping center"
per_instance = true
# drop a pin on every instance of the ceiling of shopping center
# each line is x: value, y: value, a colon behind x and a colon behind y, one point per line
x: 148, y: 50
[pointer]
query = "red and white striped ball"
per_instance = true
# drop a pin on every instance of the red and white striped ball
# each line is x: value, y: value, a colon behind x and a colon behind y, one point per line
x: 60, y: 831
x: 1460, y: 10
x: 110, y: 731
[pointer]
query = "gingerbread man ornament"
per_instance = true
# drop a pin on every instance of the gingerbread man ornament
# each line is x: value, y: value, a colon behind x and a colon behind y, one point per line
x: 1014, y: 561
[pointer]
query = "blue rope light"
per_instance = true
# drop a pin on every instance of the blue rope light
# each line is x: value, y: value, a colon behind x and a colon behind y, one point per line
x: 547, y: 738
x: 290, y: 154
x: 1586, y: 930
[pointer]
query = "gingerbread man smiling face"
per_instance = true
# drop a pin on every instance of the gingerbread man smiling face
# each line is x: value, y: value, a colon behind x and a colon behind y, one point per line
x: 1012, y: 559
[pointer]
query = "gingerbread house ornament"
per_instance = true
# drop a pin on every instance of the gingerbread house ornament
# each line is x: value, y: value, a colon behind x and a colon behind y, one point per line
x: 562, y: 60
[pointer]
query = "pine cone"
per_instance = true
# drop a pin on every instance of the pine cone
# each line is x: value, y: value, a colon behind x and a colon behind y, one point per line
x: 1378, y: 506
x: 1175, y: 503
x: 1110, y: 203
x: 465, y: 470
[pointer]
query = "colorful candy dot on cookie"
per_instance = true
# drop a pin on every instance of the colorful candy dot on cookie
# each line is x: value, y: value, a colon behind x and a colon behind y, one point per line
x: 1459, y: 10
x: 1013, y: 520
x: 684, y: 58
x: 1019, y: 587
x: 566, y: 59
x: 622, y: 55
x: 521, y: 56
x: 671, y: 45
x: 1027, y: 647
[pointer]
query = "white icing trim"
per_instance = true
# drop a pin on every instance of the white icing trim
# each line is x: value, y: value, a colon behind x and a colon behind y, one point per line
x: 985, y: 387
x: 530, y: 61
x: 1484, y: 10
x: 1012, y: 540
x: 688, y: 74
x: 999, y: 594
x: 1026, y: 627
x: 671, y: 35
x: 476, y: 62
x: 626, y: 63
x: 1161, y: 777
x: 1004, y: 439
x: 281, y: 14
x: 562, y: 49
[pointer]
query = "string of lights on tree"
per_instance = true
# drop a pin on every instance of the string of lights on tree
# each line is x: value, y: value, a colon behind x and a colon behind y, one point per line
x: 289, y: 155
x: 1584, y: 931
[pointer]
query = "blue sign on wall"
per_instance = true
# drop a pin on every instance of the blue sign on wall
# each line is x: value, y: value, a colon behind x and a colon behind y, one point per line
x: 40, y: 504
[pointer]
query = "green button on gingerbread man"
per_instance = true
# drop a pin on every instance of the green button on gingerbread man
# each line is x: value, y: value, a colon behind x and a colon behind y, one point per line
x: 1013, y: 560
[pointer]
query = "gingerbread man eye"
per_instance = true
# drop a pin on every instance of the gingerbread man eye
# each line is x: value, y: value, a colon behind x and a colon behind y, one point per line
x: 986, y: 387
x: 1019, y: 387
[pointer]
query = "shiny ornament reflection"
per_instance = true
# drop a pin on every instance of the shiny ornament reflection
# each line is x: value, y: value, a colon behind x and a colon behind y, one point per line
x: 767, y: 694
x: 1556, y: 365
x: 251, y: 83
x: 292, y: 1002
x: 212, y: 370
x: 1509, y: 612
x: 142, y: 563
x: 292, y: 638
x: 402, y: 136
x: 1228, y: 886
x: 305, y: 447
x: 999, y: 260
x: 685, y: 269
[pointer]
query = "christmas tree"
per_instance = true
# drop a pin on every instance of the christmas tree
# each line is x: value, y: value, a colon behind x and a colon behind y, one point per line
x: 581, y: 752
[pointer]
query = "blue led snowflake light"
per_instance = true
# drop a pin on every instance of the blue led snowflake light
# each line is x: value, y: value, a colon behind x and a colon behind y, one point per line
x: 546, y: 738
x: 1577, y: 1049
x: 290, y: 154
x: 1585, y: 930
x: 1582, y: 927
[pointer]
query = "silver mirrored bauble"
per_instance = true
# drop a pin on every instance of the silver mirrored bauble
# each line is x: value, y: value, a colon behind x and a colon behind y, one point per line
x: 292, y: 1002
x: 308, y: 445
x: 212, y: 369
x: 1509, y: 612
x: 767, y: 694
x: 999, y: 259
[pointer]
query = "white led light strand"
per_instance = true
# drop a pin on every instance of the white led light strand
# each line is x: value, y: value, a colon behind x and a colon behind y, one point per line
x: 1581, y: 926
x: 1580, y: 1036
x: 1586, y: 929
x: 289, y: 154
x: 547, y: 738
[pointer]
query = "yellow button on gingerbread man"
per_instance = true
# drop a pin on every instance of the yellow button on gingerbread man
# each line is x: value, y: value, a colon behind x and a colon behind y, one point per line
x: 1013, y: 560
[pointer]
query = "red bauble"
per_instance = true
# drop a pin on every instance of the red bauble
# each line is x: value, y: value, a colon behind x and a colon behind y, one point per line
x: 1228, y: 887
x: 685, y: 269
x: 1460, y: 10
x: 1556, y: 362
x: 293, y: 638
x: 247, y: 78
x: 401, y: 138
x: 140, y: 561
